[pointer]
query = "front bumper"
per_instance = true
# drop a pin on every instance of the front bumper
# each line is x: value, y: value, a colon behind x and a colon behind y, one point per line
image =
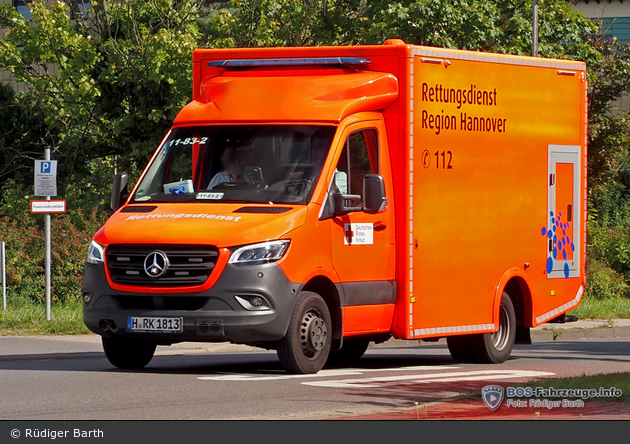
x: 213, y: 315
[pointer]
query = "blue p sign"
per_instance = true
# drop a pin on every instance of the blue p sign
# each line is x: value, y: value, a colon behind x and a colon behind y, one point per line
x: 45, y: 167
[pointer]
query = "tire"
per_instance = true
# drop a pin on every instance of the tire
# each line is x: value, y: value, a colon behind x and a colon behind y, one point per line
x: 306, y: 346
x: 460, y: 348
x: 495, y: 348
x: 128, y: 354
x: 350, y: 352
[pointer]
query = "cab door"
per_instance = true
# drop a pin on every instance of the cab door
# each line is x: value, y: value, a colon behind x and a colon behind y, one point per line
x: 363, y: 249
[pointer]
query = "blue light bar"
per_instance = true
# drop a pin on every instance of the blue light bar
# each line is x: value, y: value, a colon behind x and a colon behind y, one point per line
x: 256, y: 63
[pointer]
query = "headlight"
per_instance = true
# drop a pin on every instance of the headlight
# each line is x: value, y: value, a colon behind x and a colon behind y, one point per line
x: 95, y: 253
x: 260, y: 253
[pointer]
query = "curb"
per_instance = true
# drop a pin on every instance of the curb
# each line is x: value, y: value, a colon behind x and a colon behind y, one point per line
x: 574, y: 334
x: 51, y: 356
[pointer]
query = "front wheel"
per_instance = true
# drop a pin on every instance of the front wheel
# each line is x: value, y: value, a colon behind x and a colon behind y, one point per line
x: 306, y: 346
x: 128, y: 354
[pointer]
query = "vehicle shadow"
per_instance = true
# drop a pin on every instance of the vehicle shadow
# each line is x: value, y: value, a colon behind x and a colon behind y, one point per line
x: 202, y: 364
x: 266, y: 362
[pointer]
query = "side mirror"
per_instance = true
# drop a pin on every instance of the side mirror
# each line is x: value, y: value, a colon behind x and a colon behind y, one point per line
x: 119, y: 191
x: 374, y: 200
x: 343, y: 203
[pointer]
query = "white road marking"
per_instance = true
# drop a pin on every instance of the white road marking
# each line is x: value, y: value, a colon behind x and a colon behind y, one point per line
x: 321, y: 374
x: 479, y: 375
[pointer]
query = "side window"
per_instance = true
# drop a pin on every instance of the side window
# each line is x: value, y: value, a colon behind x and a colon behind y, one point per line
x: 358, y: 158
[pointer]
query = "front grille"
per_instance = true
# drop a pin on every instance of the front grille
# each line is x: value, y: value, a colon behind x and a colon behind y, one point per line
x: 189, y: 265
x: 186, y: 303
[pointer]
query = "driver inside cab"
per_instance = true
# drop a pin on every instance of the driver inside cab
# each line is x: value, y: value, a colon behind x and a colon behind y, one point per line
x: 231, y: 168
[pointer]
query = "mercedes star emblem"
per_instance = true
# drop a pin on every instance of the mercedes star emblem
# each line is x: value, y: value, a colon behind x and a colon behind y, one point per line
x: 156, y: 264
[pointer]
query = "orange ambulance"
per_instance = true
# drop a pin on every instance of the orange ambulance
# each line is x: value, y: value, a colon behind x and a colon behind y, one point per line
x: 311, y: 200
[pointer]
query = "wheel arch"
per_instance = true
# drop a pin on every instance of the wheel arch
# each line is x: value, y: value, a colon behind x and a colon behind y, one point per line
x: 514, y: 283
x: 327, y: 289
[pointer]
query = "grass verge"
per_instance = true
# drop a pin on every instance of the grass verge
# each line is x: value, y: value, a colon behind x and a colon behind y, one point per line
x: 603, y: 309
x: 619, y: 381
x: 25, y: 317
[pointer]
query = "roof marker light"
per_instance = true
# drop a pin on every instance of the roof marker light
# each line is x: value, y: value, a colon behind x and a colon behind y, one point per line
x: 255, y: 63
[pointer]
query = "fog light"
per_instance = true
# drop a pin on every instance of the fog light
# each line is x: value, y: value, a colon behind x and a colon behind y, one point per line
x: 253, y: 302
x: 87, y: 297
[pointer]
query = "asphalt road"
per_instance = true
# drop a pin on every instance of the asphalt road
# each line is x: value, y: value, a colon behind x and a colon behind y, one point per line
x: 252, y: 385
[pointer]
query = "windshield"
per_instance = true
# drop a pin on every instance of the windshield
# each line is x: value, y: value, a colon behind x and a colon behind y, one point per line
x: 254, y: 164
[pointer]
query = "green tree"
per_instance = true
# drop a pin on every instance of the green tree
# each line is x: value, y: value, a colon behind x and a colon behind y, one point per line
x: 23, y: 136
x: 109, y: 82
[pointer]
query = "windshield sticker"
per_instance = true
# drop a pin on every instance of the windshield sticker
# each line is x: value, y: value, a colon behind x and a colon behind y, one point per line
x: 188, y: 141
x: 213, y: 196
x: 184, y: 215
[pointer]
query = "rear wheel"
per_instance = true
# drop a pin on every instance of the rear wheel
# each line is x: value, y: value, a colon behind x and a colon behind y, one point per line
x: 460, y: 348
x: 495, y: 348
x: 306, y: 346
x: 351, y: 351
x: 487, y: 348
x: 128, y: 354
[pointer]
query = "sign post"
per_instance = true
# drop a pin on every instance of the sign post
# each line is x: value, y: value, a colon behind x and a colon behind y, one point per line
x: 535, y: 29
x: 3, y: 274
x: 46, y: 185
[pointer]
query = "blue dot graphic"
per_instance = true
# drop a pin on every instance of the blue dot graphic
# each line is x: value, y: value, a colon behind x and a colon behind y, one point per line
x: 543, y: 231
x: 560, y: 214
x: 566, y: 270
x: 551, y: 213
x: 572, y: 246
x: 564, y: 232
x: 553, y: 220
x: 555, y: 253
x: 564, y: 254
x: 549, y: 234
x: 554, y: 228
x: 549, y: 265
x: 555, y: 239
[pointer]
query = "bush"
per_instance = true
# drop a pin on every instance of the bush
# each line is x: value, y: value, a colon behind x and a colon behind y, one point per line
x: 611, y: 247
x: 602, y: 282
x: 25, y: 253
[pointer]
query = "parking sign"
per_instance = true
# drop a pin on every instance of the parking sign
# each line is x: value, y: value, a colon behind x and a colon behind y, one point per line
x: 45, y: 178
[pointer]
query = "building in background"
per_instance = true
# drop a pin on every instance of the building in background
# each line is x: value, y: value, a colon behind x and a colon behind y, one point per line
x: 615, y: 15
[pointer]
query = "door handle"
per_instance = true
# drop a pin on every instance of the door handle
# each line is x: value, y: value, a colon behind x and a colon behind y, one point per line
x: 569, y: 213
x: 378, y: 226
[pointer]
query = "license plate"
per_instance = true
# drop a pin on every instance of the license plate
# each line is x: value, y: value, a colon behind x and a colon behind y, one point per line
x: 154, y: 325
